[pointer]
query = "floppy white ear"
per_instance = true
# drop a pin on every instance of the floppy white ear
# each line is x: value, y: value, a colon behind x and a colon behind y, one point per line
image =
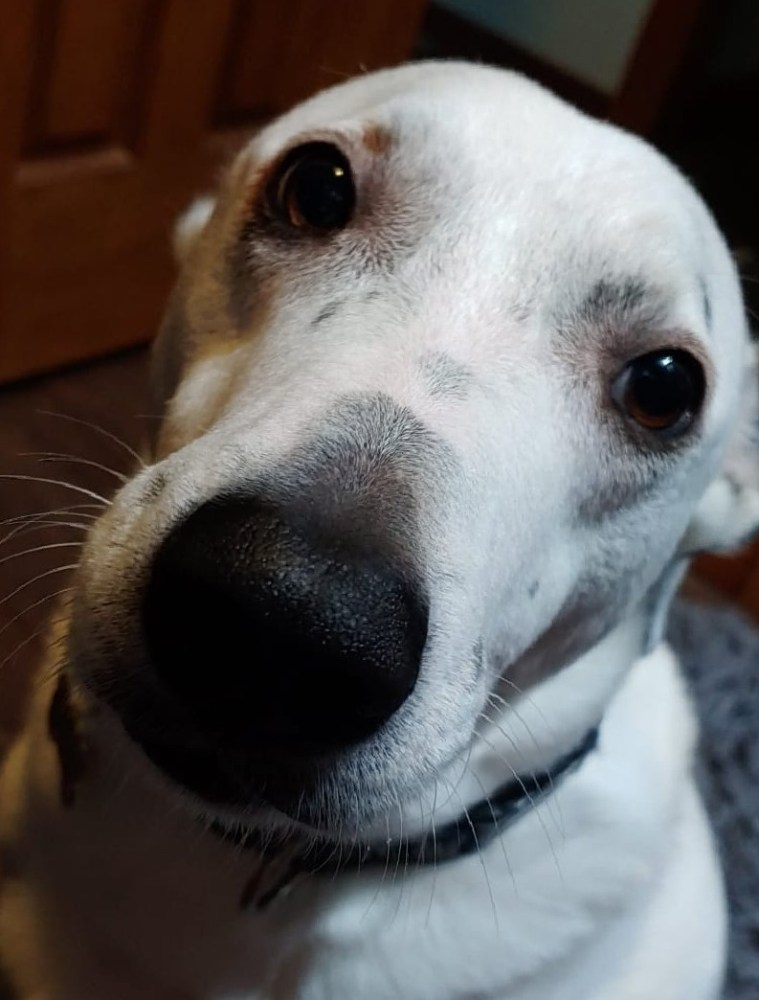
x: 728, y: 514
x: 190, y: 225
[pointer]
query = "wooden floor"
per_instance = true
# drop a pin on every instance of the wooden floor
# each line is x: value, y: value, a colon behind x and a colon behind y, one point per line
x: 109, y: 394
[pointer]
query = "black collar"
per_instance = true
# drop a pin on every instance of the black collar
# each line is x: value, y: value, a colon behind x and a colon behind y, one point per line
x: 476, y: 827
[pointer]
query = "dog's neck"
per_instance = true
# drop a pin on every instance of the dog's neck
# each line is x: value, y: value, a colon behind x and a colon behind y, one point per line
x: 471, y: 831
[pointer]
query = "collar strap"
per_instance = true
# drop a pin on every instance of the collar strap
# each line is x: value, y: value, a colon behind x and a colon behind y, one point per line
x: 473, y: 830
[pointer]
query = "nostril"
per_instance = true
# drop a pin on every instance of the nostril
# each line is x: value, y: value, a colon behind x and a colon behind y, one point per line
x: 270, y: 631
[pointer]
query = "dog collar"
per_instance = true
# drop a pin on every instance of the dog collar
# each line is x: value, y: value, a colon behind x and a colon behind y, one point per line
x: 474, y: 829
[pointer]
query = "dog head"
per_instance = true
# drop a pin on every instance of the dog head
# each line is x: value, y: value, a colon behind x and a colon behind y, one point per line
x: 454, y: 378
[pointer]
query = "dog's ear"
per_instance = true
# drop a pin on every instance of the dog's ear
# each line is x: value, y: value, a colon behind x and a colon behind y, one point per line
x: 728, y: 514
x: 167, y: 355
x: 190, y: 225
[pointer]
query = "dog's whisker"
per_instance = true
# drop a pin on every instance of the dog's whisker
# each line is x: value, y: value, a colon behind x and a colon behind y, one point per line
x: 532, y: 703
x: 381, y: 880
x: 514, y: 773
x: 21, y: 645
x: 30, y: 607
x: 340, y: 850
x: 36, y: 514
x: 498, y: 726
x: 434, y: 853
x: 498, y: 703
x: 501, y: 840
x: 98, y: 430
x: 398, y: 861
x: 51, y: 518
x: 39, y: 548
x: 523, y: 786
x: 423, y: 845
x: 23, y: 531
x: 58, y: 482
x: 513, y: 710
x: 464, y: 765
x: 54, y: 456
x: 511, y: 740
x: 400, y: 839
x: 479, y: 853
x: 328, y: 859
x: 36, y: 579
x: 356, y: 826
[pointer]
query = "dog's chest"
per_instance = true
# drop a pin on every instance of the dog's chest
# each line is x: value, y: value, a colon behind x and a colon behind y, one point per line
x: 142, y: 903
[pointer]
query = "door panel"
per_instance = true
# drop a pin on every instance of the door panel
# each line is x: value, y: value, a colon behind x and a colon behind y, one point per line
x: 77, y: 102
x: 115, y: 115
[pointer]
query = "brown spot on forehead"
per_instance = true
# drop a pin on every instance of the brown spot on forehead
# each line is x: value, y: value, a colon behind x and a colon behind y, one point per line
x: 376, y: 138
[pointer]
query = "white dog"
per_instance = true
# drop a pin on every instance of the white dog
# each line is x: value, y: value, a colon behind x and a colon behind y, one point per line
x: 362, y: 692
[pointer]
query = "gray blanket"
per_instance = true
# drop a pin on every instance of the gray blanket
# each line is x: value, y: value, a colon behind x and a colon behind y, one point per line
x: 720, y: 653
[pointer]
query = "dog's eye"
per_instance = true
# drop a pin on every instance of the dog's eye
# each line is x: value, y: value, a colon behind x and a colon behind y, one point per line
x: 661, y: 391
x: 314, y: 188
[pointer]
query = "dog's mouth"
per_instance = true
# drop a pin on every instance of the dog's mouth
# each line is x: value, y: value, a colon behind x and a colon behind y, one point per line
x: 218, y: 769
x: 296, y: 825
x: 198, y: 769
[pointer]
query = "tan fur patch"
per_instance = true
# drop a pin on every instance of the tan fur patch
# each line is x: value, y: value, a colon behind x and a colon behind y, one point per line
x: 376, y: 138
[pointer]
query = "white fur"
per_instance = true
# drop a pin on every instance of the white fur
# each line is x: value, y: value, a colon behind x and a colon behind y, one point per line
x: 503, y: 208
x: 190, y: 225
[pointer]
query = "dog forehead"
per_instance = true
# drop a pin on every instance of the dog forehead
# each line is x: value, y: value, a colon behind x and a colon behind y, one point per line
x: 462, y: 106
x: 447, y: 91
x: 498, y: 143
x: 487, y: 182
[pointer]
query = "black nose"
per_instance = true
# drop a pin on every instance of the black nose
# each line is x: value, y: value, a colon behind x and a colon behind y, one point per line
x: 277, y: 634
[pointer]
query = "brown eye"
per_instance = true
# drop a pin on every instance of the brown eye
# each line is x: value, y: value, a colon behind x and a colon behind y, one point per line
x: 314, y: 189
x: 662, y: 391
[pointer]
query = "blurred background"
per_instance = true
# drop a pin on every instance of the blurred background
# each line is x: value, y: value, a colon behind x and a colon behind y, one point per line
x: 115, y: 113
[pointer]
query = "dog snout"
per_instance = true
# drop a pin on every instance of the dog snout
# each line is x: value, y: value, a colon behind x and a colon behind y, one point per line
x: 283, y: 636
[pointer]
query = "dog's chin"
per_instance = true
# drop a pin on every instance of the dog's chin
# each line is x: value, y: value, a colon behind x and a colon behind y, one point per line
x: 241, y: 789
x: 237, y: 781
x: 196, y: 770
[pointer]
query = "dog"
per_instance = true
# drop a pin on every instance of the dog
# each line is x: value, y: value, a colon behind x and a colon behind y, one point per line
x: 361, y: 691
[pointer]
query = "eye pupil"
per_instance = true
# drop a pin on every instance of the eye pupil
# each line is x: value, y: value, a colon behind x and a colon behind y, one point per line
x: 661, y: 391
x: 315, y: 188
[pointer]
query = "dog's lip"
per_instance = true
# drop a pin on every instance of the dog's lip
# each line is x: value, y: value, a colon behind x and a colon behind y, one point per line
x: 172, y: 744
x: 215, y: 771
x: 194, y: 768
x: 221, y: 775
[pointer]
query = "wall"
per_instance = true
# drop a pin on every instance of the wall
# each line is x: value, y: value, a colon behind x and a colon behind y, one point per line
x: 591, y: 39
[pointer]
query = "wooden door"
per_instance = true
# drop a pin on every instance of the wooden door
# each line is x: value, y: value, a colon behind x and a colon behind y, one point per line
x: 113, y: 114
